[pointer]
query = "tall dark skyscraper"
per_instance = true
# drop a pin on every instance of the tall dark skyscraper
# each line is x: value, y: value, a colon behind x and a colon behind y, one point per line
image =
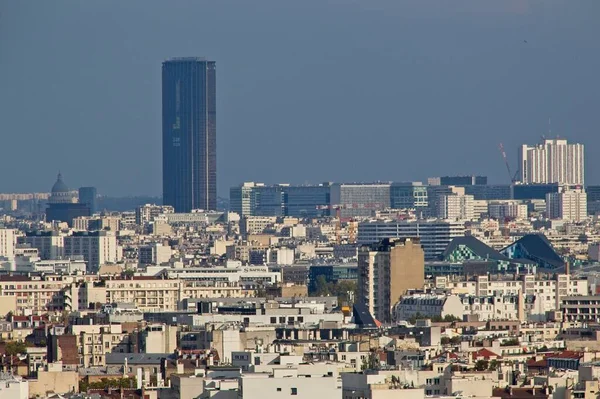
x: 189, y: 134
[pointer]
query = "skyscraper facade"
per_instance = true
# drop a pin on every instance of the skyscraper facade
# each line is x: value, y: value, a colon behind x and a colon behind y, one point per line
x: 88, y: 196
x: 189, y: 134
x: 552, y: 161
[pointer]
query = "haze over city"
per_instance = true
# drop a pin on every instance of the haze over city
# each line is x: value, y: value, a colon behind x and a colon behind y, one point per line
x: 306, y: 91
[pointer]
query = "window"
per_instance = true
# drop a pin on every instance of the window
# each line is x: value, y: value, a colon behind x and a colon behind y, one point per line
x: 278, y: 389
x: 273, y: 321
x: 294, y: 391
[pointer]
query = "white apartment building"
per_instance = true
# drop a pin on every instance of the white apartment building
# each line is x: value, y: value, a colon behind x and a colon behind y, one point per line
x: 42, y: 294
x: 290, y: 382
x: 237, y: 275
x: 91, y: 223
x: 456, y: 207
x: 154, y: 254
x: 151, y: 294
x: 427, y: 306
x: 507, y: 210
x: 50, y: 244
x: 97, y: 248
x: 95, y: 341
x: 548, y: 293
x: 567, y: 204
x: 378, y: 386
x: 552, y: 161
x: 435, y: 235
x: 13, y: 386
x: 8, y: 241
x: 147, y: 213
x: 257, y: 224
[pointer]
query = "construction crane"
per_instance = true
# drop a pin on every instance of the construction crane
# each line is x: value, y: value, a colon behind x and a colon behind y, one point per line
x: 513, y: 178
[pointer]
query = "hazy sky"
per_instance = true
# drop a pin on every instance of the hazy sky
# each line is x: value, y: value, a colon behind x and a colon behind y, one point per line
x: 308, y: 91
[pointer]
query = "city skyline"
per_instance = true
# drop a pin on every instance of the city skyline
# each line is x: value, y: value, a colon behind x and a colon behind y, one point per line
x: 446, y: 84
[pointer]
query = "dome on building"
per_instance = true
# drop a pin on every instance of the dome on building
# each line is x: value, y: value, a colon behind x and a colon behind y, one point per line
x: 61, y: 193
x: 59, y: 186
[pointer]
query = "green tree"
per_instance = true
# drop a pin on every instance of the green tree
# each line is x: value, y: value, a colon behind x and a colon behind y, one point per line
x: 481, y: 365
x: 14, y: 348
x: 322, y: 288
x: 494, y: 365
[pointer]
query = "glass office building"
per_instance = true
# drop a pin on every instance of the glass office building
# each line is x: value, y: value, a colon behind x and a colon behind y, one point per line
x: 411, y: 195
x: 189, y: 134
x: 256, y: 199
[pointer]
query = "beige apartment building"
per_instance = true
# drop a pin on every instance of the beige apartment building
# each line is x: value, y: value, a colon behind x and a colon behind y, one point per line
x: 95, y: 341
x: 42, y: 294
x: 386, y: 271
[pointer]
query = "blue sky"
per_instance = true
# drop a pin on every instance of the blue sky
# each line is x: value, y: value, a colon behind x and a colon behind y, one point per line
x: 308, y: 91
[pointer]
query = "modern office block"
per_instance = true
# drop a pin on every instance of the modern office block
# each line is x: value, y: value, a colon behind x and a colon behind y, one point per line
x: 189, y: 134
x: 434, y: 235
x: 411, y: 195
x: 88, y: 196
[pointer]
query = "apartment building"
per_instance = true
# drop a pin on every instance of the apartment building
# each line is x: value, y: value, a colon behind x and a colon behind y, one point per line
x: 289, y: 382
x: 50, y: 244
x: 147, y: 213
x: 507, y: 210
x: 581, y: 308
x: 434, y: 235
x: 97, y: 248
x: 95, y: 341
x: 8, y: 241
x: 47, y: 293
x: 567, y: 204
x: 428, y: 306
x: 154, y: 254
x: 548, y: 293
x: 386, y: 271
x: 552, y: 161
x: 456, y: 207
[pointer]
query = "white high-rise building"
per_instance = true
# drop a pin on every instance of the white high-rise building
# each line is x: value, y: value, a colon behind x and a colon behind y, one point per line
x: 8, y: 241
x: 507, y: 209
x: 97, y: 248
x: 553, y: 161
x: 568, y: 204
x: 456, y: 207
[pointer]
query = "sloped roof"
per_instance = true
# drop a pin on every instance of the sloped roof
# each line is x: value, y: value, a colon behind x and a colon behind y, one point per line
x: 538, y: 246
x: 479, y: 248
x: 485, y: 353
x: 363, y: 317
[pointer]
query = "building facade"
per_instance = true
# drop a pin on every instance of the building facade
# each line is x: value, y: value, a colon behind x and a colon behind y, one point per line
x: 360, y: 199
x: 434, y: 235
x: 257, y: 199
x: 552, y: 161
x: 97, y: 248
x: 568, y: 204
x: 88, y: 196
x: 411, y: 195
x: 189, y: 134
x: 386, y: 271
x: 456, y: 207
